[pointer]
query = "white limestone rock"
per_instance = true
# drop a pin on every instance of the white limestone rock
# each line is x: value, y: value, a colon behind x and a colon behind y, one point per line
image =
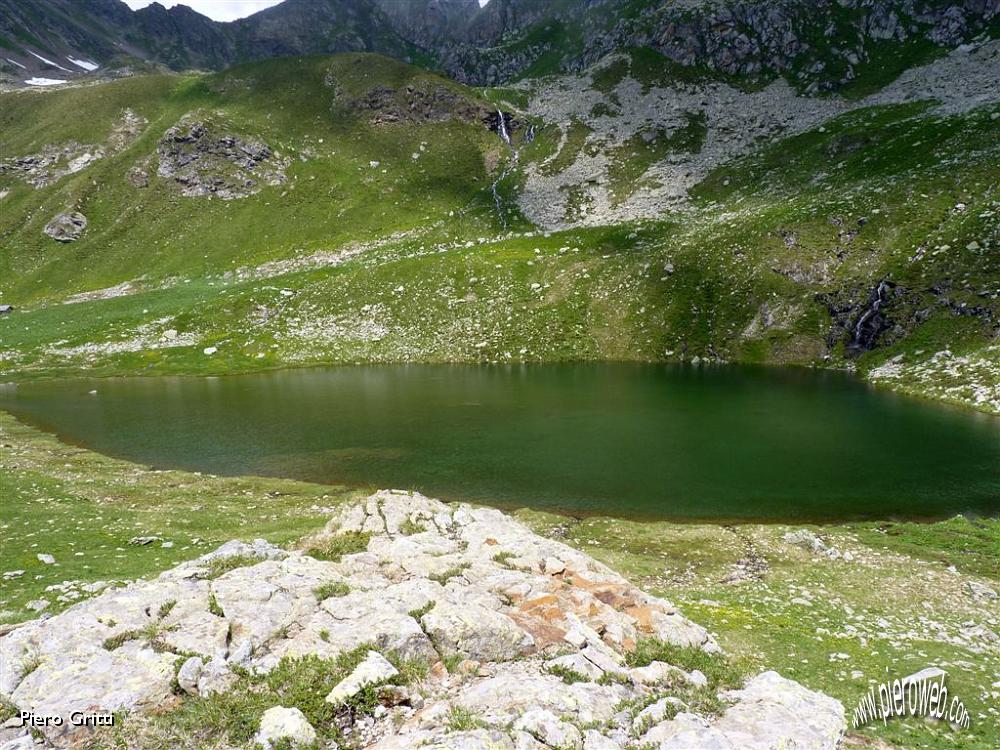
x: 374, y: 670
x: 189, y: 674
x: 216, y: 677
x: 285, y: 725
x: 549, y: 729
x: 475, y: 632
x: 502, y: 608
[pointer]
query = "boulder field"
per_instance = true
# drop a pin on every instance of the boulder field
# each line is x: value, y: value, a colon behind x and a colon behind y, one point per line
x: 526, y: 643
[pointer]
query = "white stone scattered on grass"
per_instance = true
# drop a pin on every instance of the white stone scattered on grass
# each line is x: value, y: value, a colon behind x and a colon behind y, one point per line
x: 189, y: 673
x: 281, y: 725
x: 373, y: 670
x: 548, y: 728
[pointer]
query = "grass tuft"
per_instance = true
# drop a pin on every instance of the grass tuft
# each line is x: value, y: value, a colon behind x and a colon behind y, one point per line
x: 331, y: 589
x: 335, y: 547
x: 221, y: 565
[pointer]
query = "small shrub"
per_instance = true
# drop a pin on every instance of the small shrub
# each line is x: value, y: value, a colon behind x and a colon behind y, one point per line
x: 213, y: 605
x: 410, y: 670
x: 324, y: 635
x: 335, y: 547
x: 722, y: 672
x: 34, y: 662
x: 331, y: 589
x: 503, y: 558
x: 419, y: 612
x: 463, y: 720
x: 222, y: 565
x: 166, y: 608
x: 567, y: 675
x: 452, y: 661
x: 410, y: 527
x: 147, y: 633
x: 448, y: 574
x: 7, y: 711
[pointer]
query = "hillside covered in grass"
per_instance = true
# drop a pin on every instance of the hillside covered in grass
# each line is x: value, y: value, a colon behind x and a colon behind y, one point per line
x: 356, y: 209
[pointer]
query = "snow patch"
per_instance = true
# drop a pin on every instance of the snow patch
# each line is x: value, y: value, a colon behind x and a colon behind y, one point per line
x: 15, y: 62
x: 49, y: 62
x: 44, y: 82
x: 85, y: 64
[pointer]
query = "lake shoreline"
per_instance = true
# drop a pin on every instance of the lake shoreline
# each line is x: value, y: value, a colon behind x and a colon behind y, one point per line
x: 850, y: 369
x: 720, y: 444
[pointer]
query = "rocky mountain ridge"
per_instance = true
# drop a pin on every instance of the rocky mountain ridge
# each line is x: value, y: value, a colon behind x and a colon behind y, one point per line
x: 817, y: 46
x: 442, y: 626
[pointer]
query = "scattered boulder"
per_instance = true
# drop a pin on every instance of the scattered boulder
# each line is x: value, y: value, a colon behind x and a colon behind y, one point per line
x: 189, y: 674
x: 475, y: 632
x: 281, y: 727
x: 805, y: 539
x: 760, y: 720
x: 52, y: 163
x: 47, y: 559
x: 215, y: 677
x: 981, y: 591
x: 66, y: 227
x: 137, y: 177
x: 373, y: 670
x: 549, y: 729
x: 415, y: 104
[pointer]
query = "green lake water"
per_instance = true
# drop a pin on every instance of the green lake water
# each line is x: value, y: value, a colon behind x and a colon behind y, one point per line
x: 639, y: 441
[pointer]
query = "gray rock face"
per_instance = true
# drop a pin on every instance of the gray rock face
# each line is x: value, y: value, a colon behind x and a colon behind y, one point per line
x: 735, y: 38
x: 66, y: 227
x: 414, y: 104
x: 471, y: 588
x: 205, y: 159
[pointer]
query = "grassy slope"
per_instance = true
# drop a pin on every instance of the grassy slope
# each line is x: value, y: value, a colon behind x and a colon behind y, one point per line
x: 881, y: 608
x: 871, y: 195
x: 893, y: 607
x: 329, y: 199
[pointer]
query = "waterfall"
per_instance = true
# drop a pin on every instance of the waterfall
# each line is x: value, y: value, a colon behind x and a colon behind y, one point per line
x: 502, y: 130
x: 505, y: 137
x: 879, y: 297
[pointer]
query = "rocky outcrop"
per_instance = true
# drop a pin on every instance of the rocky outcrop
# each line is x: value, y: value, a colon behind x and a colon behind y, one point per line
x: 203, y: 158
x: 66, y: 227
x: 472, y: 588
x: 414, y: 104
x: 823, y: 44
x: 53, y: 162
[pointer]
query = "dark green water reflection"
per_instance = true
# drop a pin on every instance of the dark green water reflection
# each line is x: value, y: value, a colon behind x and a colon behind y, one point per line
x: 626, y: 440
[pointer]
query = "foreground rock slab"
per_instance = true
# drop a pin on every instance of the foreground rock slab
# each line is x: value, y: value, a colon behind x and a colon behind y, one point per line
x: 499, y: 614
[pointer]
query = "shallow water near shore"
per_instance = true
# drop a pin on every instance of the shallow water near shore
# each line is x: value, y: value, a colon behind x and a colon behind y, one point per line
x: 634, y: 441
